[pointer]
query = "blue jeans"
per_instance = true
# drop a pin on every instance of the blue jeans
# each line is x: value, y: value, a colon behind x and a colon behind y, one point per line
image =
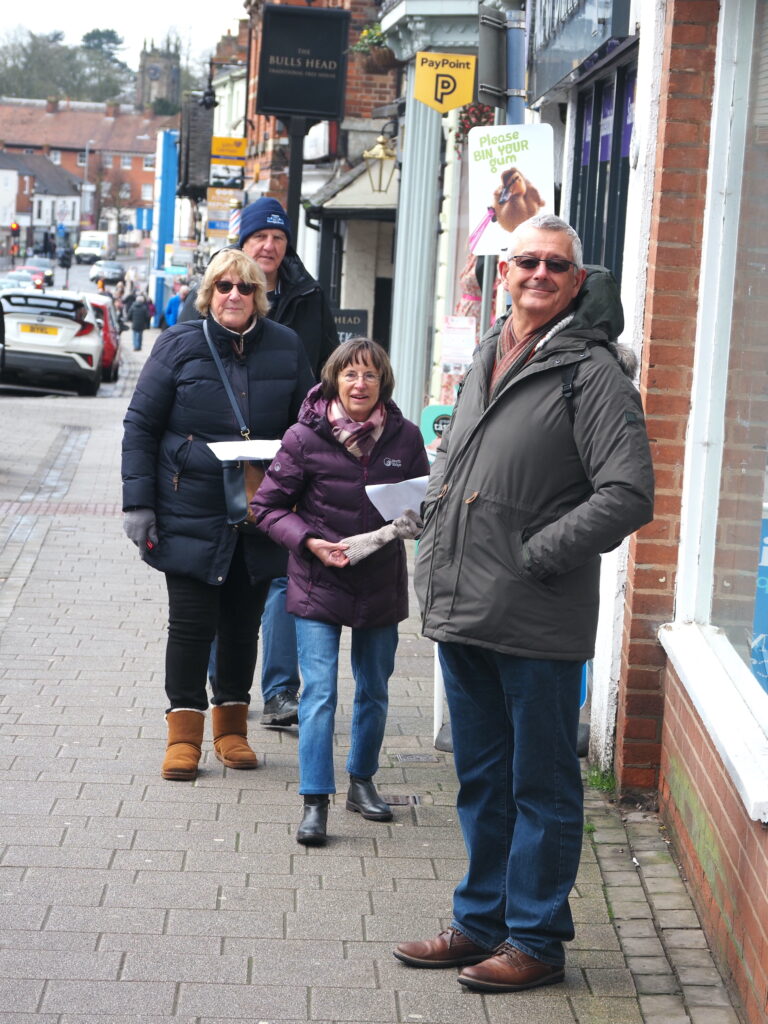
x: 279, y: 658
x: 137, y: 340
x: 373, y: 662
x: 514, y: 723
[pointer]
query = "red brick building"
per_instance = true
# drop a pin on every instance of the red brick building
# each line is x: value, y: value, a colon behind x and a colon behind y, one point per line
x: 109, y: 146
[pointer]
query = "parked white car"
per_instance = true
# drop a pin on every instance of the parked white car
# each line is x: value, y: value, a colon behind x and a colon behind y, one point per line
x: 51, y: 338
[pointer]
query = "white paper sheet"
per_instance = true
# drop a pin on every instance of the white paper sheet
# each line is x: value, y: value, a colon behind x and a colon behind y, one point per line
x: 229, y: 451
x: 392, y: 500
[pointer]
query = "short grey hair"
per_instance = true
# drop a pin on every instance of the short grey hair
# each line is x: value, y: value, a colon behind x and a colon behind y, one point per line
x: 550, y: 222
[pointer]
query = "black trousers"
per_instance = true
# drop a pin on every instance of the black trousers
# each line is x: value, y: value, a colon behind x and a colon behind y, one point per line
x: 198, y: 612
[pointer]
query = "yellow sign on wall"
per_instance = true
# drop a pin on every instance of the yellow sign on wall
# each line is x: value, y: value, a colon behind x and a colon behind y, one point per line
x: 444, y: 80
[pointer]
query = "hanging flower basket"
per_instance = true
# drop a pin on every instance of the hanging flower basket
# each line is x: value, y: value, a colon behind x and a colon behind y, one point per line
x: 470, y: 116
x: 378, y: 60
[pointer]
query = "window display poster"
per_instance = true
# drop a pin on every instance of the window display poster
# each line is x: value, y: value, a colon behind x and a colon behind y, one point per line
x: 458, y: 347
x: 511, y: 178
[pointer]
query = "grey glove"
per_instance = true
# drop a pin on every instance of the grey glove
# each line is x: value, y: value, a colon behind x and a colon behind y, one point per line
x: 140, y: 527
x: 406, y: 526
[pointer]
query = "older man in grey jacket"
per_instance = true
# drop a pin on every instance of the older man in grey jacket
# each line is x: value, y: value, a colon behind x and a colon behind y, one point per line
x: 545, y: 466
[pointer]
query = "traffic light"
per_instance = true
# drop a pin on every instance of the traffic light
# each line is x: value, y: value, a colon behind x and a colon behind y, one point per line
x: 15, y: 229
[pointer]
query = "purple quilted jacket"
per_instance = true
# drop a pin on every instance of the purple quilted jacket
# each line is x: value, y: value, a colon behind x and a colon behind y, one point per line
x: 315, y: 488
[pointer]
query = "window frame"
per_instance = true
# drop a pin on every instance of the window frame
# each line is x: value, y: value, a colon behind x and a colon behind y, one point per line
x: 727, y: 697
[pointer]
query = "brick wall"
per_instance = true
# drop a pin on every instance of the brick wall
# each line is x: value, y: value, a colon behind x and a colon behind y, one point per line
x: 724, y: 854
x: 671, y: 308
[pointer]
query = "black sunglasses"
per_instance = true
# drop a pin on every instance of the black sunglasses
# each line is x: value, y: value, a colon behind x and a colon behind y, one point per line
x: 553, y: 263
x: 225, y: 287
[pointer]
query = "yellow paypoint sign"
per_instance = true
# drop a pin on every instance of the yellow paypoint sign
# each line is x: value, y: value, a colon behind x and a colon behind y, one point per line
x: 444, y: 80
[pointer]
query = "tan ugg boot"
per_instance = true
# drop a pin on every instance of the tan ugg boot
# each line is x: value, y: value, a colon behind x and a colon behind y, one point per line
x: 230, y: 729
x: 185, y: 739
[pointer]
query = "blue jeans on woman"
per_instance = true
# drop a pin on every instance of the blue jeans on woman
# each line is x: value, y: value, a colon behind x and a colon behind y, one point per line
x: 514, y: 723
x: 279, y: 662
x: 373, y: 662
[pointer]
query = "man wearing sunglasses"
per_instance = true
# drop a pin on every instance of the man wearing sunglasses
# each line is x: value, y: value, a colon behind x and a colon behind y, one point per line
x: 545, y: 466
x: 296, y: 301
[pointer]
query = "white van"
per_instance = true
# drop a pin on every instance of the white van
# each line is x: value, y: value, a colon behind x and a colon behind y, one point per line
x: 93, y: 245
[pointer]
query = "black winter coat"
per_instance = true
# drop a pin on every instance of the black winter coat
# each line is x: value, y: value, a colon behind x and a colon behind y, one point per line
x: 179, y: 405
x: 316, y: 488
x: 139, y: 316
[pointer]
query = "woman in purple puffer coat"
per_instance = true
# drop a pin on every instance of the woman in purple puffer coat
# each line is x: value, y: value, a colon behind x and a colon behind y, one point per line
x: 349, y: 434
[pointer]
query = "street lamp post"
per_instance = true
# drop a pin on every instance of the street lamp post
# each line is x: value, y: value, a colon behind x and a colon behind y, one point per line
x: 86, y: 186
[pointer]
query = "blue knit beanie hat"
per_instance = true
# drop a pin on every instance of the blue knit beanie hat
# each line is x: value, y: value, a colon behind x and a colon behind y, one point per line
x: 264, y: 213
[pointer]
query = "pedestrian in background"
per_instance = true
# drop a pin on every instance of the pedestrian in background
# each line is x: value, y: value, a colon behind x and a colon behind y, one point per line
x: 217, y: 575
x: 175, y: 304
x: 350, y: 434
x: 297, y: 301
x: 139, y: 319
x: 546, y: 464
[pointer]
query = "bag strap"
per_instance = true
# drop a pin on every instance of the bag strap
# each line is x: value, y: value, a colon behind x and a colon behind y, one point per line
x: 244, y: 431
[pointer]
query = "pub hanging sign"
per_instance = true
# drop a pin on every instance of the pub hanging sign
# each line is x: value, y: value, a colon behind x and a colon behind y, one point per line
x: 303, y: 64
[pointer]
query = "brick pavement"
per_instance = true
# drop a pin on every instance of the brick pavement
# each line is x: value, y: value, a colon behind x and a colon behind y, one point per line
x: 125, y: 898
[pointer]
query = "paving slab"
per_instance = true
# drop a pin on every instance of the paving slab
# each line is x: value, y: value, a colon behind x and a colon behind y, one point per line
x: 125, y: 899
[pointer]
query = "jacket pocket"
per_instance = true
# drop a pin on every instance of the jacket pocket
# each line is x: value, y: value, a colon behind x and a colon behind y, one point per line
x: 180, y: 458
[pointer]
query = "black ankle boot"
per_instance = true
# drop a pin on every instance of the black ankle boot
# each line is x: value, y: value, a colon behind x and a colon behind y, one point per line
x: 363, y: 798
x: 312, y: 830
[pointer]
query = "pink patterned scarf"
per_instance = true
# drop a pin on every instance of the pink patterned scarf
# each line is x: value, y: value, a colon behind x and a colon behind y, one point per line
x: 357, y: 438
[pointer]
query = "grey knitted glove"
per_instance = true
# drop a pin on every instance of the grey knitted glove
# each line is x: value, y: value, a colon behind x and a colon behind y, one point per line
x: 406, y: 526
x: 139, y: 526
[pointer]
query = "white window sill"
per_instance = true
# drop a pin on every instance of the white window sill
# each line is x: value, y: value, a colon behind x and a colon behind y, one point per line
x: 730, y: 702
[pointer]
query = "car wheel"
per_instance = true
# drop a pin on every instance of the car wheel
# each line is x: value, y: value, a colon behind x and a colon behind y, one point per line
x: 89, y: 388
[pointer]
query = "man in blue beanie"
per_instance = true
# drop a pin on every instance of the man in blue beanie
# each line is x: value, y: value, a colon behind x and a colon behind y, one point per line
x: 296, y: 301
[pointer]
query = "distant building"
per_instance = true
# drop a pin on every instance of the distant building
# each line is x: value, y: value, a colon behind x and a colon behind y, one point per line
x: 42, y: 198
x: 108, y: 147
x: 159, y: 77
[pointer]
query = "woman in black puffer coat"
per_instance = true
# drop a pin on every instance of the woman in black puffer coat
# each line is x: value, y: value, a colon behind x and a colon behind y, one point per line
x: 173, y: 498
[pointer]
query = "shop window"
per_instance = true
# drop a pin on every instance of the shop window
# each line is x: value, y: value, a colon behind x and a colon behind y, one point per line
x: 740, y: 585
x: 605, y: 116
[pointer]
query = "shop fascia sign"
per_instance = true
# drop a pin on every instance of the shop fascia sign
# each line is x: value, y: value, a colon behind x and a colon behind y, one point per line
x: 303, y: 63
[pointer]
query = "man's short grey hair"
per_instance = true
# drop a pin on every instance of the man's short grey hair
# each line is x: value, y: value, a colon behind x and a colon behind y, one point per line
x: 549, y: 222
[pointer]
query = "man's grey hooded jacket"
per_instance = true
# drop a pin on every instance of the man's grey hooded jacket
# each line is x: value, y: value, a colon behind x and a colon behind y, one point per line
x: 521, y: 501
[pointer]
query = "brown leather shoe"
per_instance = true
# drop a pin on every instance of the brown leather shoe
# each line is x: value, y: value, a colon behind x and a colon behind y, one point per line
x: 450, y: 948
x: 510, y: 970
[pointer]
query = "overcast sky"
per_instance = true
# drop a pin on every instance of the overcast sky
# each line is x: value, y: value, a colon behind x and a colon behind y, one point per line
x: 199, y: 26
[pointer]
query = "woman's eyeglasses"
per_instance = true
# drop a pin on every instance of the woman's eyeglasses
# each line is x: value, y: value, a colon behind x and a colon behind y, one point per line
x: 350, y: 377
x: 554, y: 264
x: 225, y: 287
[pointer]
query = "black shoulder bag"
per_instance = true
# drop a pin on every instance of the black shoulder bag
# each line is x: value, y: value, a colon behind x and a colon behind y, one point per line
x: 242, y: 477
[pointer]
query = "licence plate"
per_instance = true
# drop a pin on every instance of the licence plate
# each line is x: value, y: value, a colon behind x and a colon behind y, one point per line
x: 38, y: 329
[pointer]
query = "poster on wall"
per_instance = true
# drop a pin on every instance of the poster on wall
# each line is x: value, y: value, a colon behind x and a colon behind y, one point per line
x: 458, y: 348
x: 511, y: 178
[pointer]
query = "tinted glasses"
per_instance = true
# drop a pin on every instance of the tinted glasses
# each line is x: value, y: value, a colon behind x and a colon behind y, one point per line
x: 225, y: 287
x: 555, y: 264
